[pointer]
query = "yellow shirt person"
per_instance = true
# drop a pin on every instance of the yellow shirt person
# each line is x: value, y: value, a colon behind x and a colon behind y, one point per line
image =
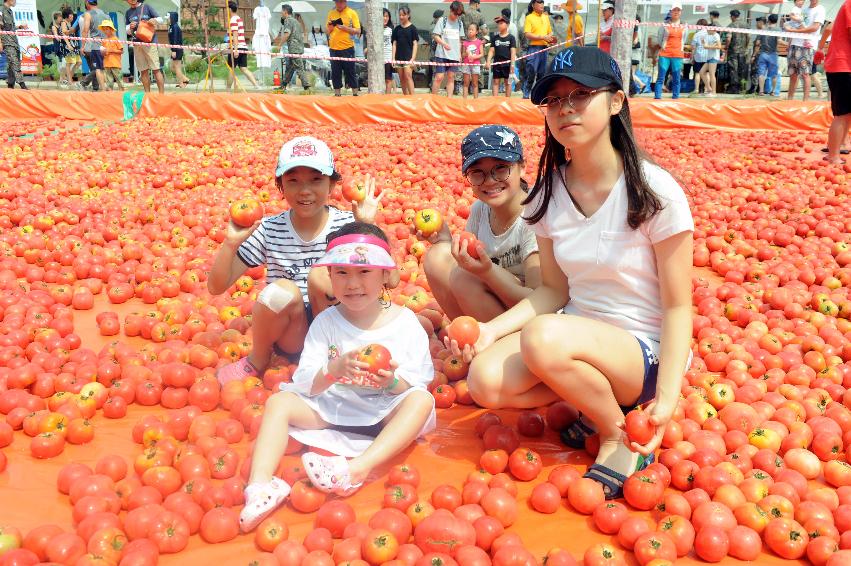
x: 539, y: 25
x: 339, y: 39
x: 575, y: 24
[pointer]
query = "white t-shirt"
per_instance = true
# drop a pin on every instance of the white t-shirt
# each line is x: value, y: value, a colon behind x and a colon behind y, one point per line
x: 331, y: 335
x: 811, y: 16
x: 388, y: 44
x: 508, y: 250
x: 611, y: 268
x: 261, y: 15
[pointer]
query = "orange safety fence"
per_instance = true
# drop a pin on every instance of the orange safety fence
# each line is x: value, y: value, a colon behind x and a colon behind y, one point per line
x: 755, y: 114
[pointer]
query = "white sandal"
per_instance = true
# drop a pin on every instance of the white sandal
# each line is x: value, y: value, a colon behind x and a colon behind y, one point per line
x: 329, y: 473
x: 260, y: 500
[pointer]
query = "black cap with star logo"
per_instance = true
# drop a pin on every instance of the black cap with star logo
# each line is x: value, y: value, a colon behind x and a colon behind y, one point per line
x: 498, y: 142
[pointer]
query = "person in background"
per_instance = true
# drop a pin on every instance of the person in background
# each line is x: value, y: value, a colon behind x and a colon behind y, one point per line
x: 342, y: 25
x: 405, y: 40
x: 175, y: 37
x: 575, y: 24
x: 432, y: 48
x: 238, y: 56
x: 472, y: 15
x: 317, y: 37
x: 559, y: 28
x: 671, y: 53
x: 737, y: 54
x: 539, y: 33
x: 503, y: 48
x: 9, y: 45
x: 146, y: 57
x: 72, y: 52
x: 711, y: 42
x: 448, y: 33
x: 636, y: 57
x: 818, y: 62
x: 837, y: 66
x: 59, y: 49
x: 605, y: 40
x: 472, y: 52
x: 387, y: 44
x: 112, y: 50
x: 291, y: 36
x: 92, y: 20
x: 802, y: 51
x: 753, y: 87
x: 766, y: 61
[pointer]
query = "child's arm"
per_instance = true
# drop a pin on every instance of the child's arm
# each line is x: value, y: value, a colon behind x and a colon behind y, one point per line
x: 227, y: 266
x: 489, y: 61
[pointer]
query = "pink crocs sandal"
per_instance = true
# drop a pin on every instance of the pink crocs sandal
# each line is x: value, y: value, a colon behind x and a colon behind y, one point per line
x: 260, y: 500
x: 238, y: 370
x: 329, y: 473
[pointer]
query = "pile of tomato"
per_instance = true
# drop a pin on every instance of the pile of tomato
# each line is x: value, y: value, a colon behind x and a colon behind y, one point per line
x: 753, y: 464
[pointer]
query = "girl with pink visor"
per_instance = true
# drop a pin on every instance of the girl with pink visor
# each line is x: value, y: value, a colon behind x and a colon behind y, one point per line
x: 331, y: 403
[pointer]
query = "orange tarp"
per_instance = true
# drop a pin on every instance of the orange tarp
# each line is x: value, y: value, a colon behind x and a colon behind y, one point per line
x: 755, y: 114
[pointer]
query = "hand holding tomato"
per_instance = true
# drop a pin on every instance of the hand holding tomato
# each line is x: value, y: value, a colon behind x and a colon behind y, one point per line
x: 487, y: 336
x: 235, y: 234
x: 443, y: 235
x: 366, y: 209
x: 660, y: 414
x: 471, y: 256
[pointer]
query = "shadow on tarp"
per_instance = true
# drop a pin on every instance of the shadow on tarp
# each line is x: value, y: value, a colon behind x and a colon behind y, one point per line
x: 719, y: 114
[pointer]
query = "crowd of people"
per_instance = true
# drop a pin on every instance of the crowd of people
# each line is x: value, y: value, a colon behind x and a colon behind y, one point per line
x: 468, y: 55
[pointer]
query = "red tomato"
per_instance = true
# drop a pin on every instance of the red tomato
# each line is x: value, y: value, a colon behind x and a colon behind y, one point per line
x: 631, y: 529
x: 446, y: 497
x: 530, y: 424
x: 494, y: 461
x: 442, y: 531
x: 403, y: 474
x: 470, y: 243
x: 394, y: 521
x: 500, y: 504
x: 650, y: 546
x: 584, y: 495
x: 486, y: 421
x: 245, y: 212
x: 680, y: 530
x: 170, y: 532
x: 562, y: 477
x: 524, y: 464
x: 711, y: 544
x: 444, y: 396
x: 545, y: 498
x: 379, y: 546
x: 290, y: 552
x: 376, y: 356
x: 219, y: 524
x: 603, y: 554
x: 787, y: 538
x: 642, y: 491
x: 501, y: 437
x: 560, y: 415
x: 464, y: 330
x: 609, y: 515
x: 319, y: 539
x: 334, y: 516
x: 638, y: 427
x: 306, y: 498
x: 745, y: 543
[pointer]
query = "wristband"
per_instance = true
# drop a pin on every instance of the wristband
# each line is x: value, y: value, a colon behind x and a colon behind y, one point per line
x: 393, y: 384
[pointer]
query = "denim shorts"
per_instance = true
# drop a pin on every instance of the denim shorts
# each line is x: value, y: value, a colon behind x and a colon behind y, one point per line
x: 471, y: 69
x: 445, y: 68
x: 651, y: 374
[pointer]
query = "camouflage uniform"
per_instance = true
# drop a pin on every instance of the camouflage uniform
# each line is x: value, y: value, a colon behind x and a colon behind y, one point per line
x: 10, y: 47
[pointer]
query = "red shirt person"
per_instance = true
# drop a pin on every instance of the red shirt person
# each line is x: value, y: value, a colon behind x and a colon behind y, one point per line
x: 837, y: 66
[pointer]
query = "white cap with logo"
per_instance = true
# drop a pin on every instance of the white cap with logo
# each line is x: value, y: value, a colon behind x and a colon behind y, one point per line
x: 305, y: 151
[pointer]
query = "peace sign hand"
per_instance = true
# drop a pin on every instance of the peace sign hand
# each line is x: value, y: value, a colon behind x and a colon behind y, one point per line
x: 366, y: 210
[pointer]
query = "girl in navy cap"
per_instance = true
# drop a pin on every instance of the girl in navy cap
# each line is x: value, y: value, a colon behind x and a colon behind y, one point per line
x: 615, y: 244
x: 507, y: 268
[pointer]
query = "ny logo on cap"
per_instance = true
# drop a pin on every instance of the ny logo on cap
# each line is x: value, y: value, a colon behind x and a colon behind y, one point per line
x: 563, y: 59
x: 616, y: 69
x: 304, y: 149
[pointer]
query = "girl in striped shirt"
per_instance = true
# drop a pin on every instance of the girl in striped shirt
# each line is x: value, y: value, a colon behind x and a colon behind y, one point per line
x: 287, y: 244
x: 238, y: 56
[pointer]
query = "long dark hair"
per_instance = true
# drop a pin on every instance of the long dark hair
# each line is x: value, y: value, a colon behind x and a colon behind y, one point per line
x: 643, y: 201
x: 387, y: 13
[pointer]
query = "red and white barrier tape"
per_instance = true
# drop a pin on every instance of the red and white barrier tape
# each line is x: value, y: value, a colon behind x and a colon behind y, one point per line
x: 623, y: 23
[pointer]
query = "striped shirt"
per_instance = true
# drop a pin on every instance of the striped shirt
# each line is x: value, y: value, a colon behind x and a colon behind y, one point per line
x: 237, y: 31
x: 276, y: 244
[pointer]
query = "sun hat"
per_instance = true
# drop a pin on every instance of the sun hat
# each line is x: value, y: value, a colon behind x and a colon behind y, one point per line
x: 589, y: 66
x: 357, y: 250
x: 107, y: 24
x: 305, y: 151
x: 499, y: 142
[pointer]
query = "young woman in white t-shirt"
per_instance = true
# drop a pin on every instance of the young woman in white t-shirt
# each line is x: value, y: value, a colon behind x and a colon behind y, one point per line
x: 507, y: 268
x: 615, y: 245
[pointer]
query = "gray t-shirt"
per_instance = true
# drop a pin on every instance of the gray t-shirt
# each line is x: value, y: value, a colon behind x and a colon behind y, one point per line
x: 451, y: 32
x: 140, y: 12
x: 295, y: 42
x: 96, y: 16
x: 508, y: 250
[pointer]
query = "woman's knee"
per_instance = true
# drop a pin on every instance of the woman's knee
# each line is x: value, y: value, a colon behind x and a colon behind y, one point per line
x: 421, y: 401
x: 543, y: 341
x: 277, y: 298
x: 280, y: 402
x: 437, y: 260
x: 484, y: 381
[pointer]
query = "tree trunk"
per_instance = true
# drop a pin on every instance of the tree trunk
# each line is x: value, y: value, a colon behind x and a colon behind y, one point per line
x: 622, y: 38
x: 375, y: 46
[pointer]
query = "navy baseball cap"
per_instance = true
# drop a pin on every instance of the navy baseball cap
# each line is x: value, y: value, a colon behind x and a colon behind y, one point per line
x: 589, y: 66
x: 499, y: 142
